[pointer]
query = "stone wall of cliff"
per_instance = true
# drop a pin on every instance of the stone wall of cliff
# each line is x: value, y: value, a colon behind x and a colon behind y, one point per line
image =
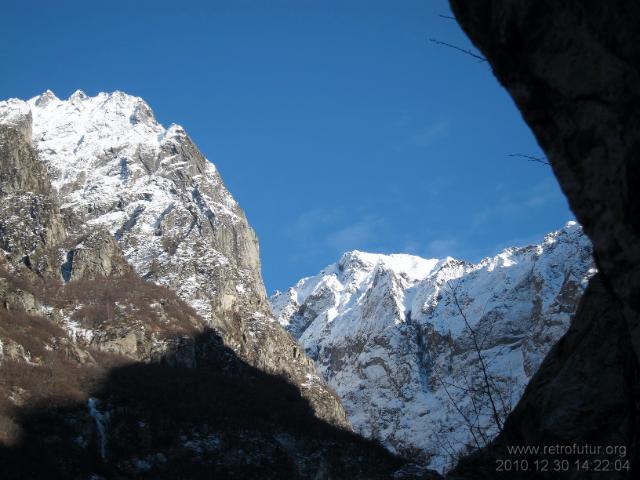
x: 572, y: 68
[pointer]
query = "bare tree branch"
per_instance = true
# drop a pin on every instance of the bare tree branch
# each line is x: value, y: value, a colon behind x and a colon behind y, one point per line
x: 448, y: 17
x: 485, y: 374
x: 476, y: 409
x: 531, y: 158
x: 480, y: 58
x: 460, y: 412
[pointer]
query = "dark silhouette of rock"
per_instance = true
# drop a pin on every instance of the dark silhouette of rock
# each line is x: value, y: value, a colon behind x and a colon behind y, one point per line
x: 572, y: 68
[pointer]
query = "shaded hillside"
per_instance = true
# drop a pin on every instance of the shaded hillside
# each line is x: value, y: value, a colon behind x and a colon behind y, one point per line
x: 218, y: 418
x: 169, y: 400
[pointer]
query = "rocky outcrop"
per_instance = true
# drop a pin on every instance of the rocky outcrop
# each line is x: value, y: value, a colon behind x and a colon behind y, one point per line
x: 387, y: 334
x: 30, y: 222
x: 572, y: 69
x: 97, y: 255
x: 16, y: 298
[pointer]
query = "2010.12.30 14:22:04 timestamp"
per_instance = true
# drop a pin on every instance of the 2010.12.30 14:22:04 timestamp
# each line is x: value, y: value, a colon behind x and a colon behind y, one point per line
x: 562, y: 465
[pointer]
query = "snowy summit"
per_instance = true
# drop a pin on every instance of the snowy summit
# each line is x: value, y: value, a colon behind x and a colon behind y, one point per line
x: 393, y: 335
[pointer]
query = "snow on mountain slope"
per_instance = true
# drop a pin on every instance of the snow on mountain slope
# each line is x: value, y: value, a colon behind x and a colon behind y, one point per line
x: 395, y: 336
x: 116, y: 167
x: 116, y: 171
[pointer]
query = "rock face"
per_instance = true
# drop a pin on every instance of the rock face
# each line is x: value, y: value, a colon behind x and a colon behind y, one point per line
x: 115, y: 167
x: 395, y: 336
x: 30, y: 221
x: 95, y: 256
x: 131, y: 192
x: 572, y: 69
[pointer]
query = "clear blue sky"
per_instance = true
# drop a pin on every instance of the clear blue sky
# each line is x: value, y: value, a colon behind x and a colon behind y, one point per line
x: 337, y: 125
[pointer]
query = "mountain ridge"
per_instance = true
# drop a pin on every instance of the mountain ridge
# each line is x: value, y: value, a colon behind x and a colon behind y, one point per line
x: 388, y: 337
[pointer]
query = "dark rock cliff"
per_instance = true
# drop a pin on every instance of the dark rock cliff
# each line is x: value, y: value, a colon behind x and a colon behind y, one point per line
x: 30, y: 220
x: 572, y: 68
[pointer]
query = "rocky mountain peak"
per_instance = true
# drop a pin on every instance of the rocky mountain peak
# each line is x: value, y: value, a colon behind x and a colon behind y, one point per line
x: 411, y: 266
x: 133, y: 195
x: 392, y: 335
x: 45, y: 97
x: 77, y: 96
x: 17, y: 115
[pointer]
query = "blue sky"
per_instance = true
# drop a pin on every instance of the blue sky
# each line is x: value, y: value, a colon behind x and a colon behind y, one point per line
x: 337, y: 125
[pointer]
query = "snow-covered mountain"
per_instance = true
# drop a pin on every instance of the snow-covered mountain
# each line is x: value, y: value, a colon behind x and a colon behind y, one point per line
x: 125, y: 185
x: 136, y: 339
x: 427, y: 355
x: 115, y: 167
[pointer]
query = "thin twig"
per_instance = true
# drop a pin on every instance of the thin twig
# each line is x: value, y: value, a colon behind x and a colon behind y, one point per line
x: 458, y: 409
x: 448, y: 17
x: 531, y: 158
x: 485, y: 374
x: 460, y: 412
x: 488, y: 330
x: 466, y: 51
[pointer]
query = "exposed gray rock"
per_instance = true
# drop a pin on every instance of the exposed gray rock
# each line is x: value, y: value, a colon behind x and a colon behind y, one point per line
x: 16, y: 115
x: 30, y: 223
x: 97, y: 255
x: 126, y: 345
x: 14, y: 351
